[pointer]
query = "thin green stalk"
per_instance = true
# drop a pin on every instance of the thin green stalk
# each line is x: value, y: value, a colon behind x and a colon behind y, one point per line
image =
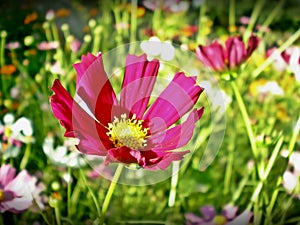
x: 246, y: 120
x: 228, y: 171
x: 266, y: 173
x: 200, y: 39
x: 97, y: 39
x: 156, y: 21
x: 174, y: 182
x: 274, y: 13
x: 3, y: 35
x: 133, y: 24
x: 91, y: 193
x: 255, y: 13
x: 44, y: 217
x: 242, y: 184
x: 57, y: 214
x: 294, y: 137
x: 231, y: 16
x: 26, y: 156
x: 272, y: 202
x: 69, y: 192
x: 110, y: 192
x: 271, y: 58
x: 1, y: 220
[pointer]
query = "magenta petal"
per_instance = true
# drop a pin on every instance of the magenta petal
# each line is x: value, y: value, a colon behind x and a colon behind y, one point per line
x: 76, y: 121
x: 235, y: 51
x: 7, y: 174
x: 93, y: 85
x: 139, y: 79
x: 208, y: 212
x: 177, y: 99
x: 193, y: 219
x: 167, y: 159
x: 177, y: 136
x: 252, y: 45
x: 122, y: 154
x: 212, y: 56
x: 61, y: 103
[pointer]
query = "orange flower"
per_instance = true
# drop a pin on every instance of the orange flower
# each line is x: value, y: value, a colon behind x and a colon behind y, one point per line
x: 63, y: 12
x: 188, y: 30
x: 8, y: 69
x: 93, y: 12
x: 30, y: 18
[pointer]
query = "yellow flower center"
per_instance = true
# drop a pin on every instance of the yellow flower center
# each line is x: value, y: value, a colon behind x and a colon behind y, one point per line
x: 219, y: 220
x: 1, y: 195
x: 127, y: 132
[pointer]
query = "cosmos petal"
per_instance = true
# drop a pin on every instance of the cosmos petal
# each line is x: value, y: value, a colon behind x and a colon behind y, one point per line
x: 122, y: 154
x: 176, y: 100
x: 177, y: 136
x: 76, y: 121
x: 167, y: 159
x: 139, y: 79
x: 93, y: 85
x: 212, y: 56
x: 61, y: 103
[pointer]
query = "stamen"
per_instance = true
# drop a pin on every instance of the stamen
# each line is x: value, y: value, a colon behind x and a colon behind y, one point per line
x: 127, y: 132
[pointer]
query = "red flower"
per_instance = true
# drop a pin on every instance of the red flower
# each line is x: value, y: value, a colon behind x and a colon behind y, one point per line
x: 234, y: 53
x: 128, y: 131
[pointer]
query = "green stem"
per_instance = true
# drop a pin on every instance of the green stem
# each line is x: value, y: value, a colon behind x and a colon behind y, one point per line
x: 242, y: 184
x: 156, y: 23
x: 255, y: 13
x: 44, y: 217
x: 231, y: 16
x: 97, y: 39
x: 271, y: 17
x: 228, y: 172
x: 110, y: 192
x: 133, y: 24
x: 69, y: 192
x: 200, y: 39
x: 271, y: 58
x: 294, y: 137
x: 174, y: 182
x: 266, y: 173
x: 3, y: 35
x: 57, y: 214
x: 90, y: 192
x: 25, y: 157
x: 272, y: 202
x: 246, y: 119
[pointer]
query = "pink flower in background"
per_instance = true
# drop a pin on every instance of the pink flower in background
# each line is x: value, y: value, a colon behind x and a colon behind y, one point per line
x: 292, y: 173
x: 128, y: 131
x: 220, y: 59
x: 15, y: 191
x: 288, y: 59
x: 174, y: 6
x: 210, y: 217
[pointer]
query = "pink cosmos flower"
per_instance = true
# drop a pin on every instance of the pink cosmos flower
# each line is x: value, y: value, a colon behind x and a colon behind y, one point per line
x: 234, y: 53
x: 288, y: 59
x: 128, y: 131
x: 15, y: 192
x: 174, y: 6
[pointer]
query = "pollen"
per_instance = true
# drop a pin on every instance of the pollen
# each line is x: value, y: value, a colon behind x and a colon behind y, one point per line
x: 128, y: 132
x: 1, y: 195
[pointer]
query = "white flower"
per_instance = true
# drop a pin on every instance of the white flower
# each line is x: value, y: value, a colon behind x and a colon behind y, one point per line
x: 270, y: 87
x: 294, y: 64
x: 155, y: 47
x: 65, y: 155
